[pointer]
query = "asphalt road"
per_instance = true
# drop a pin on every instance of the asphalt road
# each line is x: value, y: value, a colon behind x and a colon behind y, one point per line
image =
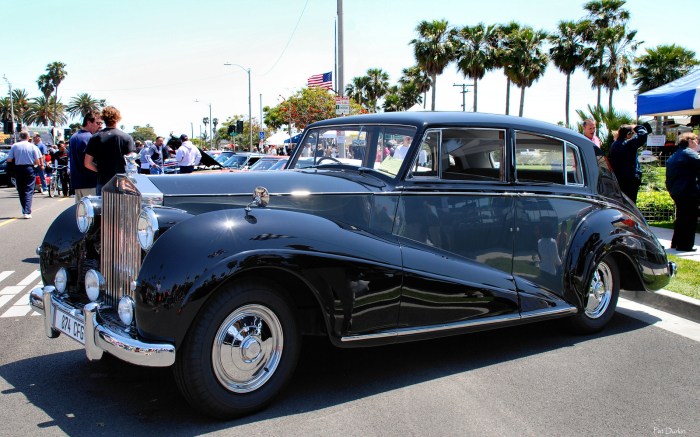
x: 633, y: 379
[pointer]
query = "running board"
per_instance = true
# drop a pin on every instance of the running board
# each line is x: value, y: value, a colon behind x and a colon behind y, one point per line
x: 481, y: 323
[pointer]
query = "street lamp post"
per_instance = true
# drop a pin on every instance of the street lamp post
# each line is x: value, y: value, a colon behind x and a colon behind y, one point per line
x: 210, y: 131
x: 12, y: 109
x: 250, y: 107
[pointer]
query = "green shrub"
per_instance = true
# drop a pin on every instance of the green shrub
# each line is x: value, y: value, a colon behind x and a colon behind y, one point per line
x: 656, y: 205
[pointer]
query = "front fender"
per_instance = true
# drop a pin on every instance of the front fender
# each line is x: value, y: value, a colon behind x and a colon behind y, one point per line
x: 610, y: 231
x: 195, y: 257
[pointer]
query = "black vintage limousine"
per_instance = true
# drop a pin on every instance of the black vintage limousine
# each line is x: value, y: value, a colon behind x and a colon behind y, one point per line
x: 382, y: 228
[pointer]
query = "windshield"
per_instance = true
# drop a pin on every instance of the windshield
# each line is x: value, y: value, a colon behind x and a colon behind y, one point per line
x: 264, y: 164
x: 235, y: 161
x: 382, y: 148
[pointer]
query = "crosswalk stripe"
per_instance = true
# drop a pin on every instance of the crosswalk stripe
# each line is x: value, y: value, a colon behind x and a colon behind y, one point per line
x: 5, y: 298
x: 29, y: 279
x: 5, y: 274
x: 12, y: 290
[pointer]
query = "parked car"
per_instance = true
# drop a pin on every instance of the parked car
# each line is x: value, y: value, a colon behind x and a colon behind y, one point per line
x: 267, y: 162
x: 4, y: 175
x: 241, y: 160
x: 483, y: 221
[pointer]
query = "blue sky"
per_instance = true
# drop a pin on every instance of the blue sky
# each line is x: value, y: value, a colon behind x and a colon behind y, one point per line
x: 155, y: 59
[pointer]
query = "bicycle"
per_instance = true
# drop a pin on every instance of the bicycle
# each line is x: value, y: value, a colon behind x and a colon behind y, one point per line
x: 56, y: 186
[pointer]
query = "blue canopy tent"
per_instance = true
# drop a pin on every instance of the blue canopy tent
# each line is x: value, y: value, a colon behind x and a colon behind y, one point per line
x: 680, y: 97
x: 295, y: 139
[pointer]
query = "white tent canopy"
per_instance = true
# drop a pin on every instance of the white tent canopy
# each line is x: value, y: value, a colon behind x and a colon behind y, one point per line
x: 277, y: 139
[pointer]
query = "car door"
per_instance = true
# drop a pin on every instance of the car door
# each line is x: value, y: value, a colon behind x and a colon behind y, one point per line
x: 554, y: 200
x: 454, y: 222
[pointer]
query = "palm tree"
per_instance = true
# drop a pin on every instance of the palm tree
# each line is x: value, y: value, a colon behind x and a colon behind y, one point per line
x: 45, y: 85
x: 504, y: 35
x: 475, y: 52
x: 84, y: 103
x: 433, y: 49
x: 617, y: 58
x: 56, y: 72
x: 392, y: 99
x: 45, y: 111
x: 357, y: 90
x: 5, y: 109
x: 528, y: 61
x: 377, y: 87
x: 602, y: 14
x: 568, y: 52
x: 420, y: 80
x: 20, y: 100
x: 661, y: 65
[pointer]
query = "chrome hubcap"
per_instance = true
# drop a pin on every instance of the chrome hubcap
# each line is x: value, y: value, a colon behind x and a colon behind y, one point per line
x: 599, y: 291
x: 247, y: 348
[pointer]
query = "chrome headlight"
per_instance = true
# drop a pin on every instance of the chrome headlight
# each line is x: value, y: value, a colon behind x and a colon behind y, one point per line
x: 147, y: 228
x: 94, y: 284
x: 85, y: 214
x: 126, y: 310
x: 60, y: 280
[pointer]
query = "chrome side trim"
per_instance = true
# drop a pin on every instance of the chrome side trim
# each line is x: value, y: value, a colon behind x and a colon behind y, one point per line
x: 464, y: 324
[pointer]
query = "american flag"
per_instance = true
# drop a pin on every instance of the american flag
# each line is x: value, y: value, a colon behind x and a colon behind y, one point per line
x: 324, y: 80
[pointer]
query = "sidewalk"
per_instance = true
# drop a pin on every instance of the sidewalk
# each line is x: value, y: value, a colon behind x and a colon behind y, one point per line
x: 674, y: 303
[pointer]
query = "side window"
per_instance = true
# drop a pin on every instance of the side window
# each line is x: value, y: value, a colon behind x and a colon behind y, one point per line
x: 426, y: 162
x: 472, y: 154
x: 539, y: 159
x: 574, y: 169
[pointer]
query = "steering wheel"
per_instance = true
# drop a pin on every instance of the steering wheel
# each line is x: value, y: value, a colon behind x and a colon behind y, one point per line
x: 330, y: 158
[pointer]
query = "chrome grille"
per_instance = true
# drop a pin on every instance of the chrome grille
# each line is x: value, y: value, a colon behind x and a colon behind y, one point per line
x: 121, y: 253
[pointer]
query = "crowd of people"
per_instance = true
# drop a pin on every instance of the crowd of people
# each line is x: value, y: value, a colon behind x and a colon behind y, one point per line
x: 682, y: 175
x: 90, y: 159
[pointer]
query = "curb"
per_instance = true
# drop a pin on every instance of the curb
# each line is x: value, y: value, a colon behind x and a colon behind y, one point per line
x: 674, y: 303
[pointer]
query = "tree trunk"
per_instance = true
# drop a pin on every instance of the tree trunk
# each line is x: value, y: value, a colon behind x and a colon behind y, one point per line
x: 425, y: 98
x: 522, y: 101
x: 475, y: 84
x: 434, y: 77
x: 507, y: 95
x: 568, y: 97
x: 610, y: 106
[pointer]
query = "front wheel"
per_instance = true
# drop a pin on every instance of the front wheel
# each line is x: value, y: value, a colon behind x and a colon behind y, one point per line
x: 241, y: 350
x: 601, y: 298
x: 53, y: 187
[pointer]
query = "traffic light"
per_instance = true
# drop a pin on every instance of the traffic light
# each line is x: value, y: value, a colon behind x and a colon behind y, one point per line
x: 239, y: 126
x: 67, y: 133
x: 7, y: 127
x: 231, y: 130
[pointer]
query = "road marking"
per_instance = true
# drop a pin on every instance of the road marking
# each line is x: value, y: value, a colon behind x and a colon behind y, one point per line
x: 5, y: 274
x: 8, y: 221
x: 30, y: 278
x: 12, y: 289
x: 660, y: 319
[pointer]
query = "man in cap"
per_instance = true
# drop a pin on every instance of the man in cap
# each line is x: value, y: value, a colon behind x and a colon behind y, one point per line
x: 40, y: 171
x: 187, y: 155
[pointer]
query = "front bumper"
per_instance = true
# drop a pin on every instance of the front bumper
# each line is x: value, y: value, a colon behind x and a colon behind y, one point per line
x: 100, y: 337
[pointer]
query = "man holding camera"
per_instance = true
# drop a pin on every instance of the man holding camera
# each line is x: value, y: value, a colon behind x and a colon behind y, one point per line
x: 623, y: 158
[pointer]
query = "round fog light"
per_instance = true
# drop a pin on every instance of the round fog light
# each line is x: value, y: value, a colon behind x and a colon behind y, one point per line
x: 60, y: 280
x: 94, y: 284
x: 126, y: 310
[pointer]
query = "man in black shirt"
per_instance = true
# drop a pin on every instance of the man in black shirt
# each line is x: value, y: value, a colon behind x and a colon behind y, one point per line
x: 107, y: 148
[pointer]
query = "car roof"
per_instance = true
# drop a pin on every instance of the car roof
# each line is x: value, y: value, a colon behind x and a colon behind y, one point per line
x: 424, y: 119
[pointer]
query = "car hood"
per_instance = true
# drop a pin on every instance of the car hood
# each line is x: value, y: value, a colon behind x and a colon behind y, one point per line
x: 277, y: 182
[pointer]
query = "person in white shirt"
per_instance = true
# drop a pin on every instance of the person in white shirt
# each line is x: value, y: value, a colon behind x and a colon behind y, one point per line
x: 402, y: 149
x: 187, y: 155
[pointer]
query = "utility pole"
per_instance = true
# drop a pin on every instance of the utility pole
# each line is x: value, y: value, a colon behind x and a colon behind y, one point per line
x: 341, y: 62
x: 464, y: 93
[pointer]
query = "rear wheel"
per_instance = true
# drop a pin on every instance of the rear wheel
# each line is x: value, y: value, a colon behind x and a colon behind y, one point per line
x: 601, y: 298
x: 241, y: 350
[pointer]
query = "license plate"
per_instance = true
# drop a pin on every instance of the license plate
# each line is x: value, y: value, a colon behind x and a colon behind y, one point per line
x: 69, y: 325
